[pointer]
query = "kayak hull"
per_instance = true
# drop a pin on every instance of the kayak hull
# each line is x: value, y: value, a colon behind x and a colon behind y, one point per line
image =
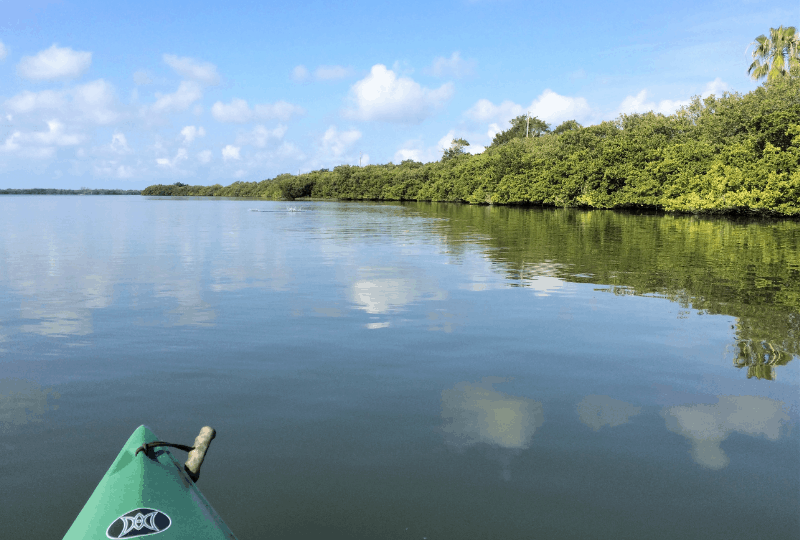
x: 147, y: 496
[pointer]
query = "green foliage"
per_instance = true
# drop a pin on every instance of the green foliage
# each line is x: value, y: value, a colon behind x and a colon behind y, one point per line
x: 775, y: 56
x: 568, y: 125
x: 456, y: 149
x: 520, y: 127
x: 723, y: 154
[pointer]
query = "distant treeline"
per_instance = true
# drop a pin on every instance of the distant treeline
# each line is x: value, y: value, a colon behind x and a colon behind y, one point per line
x: 85, y: 191
x: 734, y: 153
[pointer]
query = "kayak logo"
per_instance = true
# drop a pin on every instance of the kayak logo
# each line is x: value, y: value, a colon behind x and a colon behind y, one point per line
x: 139, y: 522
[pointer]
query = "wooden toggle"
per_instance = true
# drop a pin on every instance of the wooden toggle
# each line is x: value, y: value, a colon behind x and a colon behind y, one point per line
x: 196, y: 456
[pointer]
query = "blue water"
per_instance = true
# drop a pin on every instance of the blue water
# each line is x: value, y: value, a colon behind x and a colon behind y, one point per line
x: 375, y: 371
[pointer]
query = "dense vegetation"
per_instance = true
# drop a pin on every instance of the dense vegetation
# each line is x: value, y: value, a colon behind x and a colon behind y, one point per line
x: 82, y: 191
x: 734, y: 153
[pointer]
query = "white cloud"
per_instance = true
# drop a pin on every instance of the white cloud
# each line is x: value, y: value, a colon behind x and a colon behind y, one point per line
x: 203, y: 72
x: 336, y: 143
x: 260, y: 136
x: 113, y: 169
x: 119, y: 144
x: 3, y: 51
x: 11, y: 144
x: 190, y: 133
x: 300, y: 74
x: 93, y: 101
x: 28, y: 101
x: 455, y: 66
x: 445, y: 142
x: 415, y: 149
x: 187, y: 93
x: 554, y: 108
x: 403, y: 154
x: 549, y: 106
x: 382, y: 96
x: 204, y: 156
x: 639, y: 103
x: 716, y: 87
x: 54, y: 63
x: 230, y: 152
x: 54, y: 136
x: 142, y: 77
x: 238, y: 111
x: 96, y: 100
x: 327, y: 73
x: 180, y: 156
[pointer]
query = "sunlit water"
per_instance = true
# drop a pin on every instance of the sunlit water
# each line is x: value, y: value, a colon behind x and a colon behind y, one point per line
x: 407, y: 371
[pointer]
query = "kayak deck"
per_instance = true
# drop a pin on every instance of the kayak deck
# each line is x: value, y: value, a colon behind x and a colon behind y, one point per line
x: 144, y: 495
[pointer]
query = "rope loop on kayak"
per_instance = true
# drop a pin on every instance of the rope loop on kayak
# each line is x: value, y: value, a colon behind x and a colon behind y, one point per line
x: 147, y: 446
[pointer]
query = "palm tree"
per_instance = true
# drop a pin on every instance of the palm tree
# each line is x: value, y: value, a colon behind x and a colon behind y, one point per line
x: 776, y: 55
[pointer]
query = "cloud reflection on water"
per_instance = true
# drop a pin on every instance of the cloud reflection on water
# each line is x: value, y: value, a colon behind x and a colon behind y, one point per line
x: 707, y: 425
x: 385, y: 290
x: 476, y: 413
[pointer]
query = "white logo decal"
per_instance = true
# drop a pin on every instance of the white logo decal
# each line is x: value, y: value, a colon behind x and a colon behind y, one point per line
x: 139, y: 522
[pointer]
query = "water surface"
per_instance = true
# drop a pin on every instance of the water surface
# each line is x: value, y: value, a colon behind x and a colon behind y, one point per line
x: 408, y: 371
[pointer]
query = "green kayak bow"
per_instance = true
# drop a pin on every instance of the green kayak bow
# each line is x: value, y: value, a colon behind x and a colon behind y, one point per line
x: 147, y: 492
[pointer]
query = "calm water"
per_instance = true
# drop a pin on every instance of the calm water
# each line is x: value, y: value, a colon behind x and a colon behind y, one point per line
x: 412, y: 371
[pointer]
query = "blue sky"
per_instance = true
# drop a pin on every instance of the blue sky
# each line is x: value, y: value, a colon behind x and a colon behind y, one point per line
x: 123, y: 96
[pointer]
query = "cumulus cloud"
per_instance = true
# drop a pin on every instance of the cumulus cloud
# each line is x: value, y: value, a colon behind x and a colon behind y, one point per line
x: 94, y: 101
x: 260, y: 136
x: 640, y: 104
x: 230, y: 152
x: 54, y: 63
x: 549, y: 106
x: 238, y: 111
x: 383, y: 96
x: 204, y: 156
x: 190, y: 133
x: 113, y: 169
x: 3, y: 51
x: 716, y: 87
x: 28, y: 101
x: 55, y: 135
x: 335, y: 142
x: 119, y: 144
x: 416, y: 150
x: 187, y: 93
x: 202, y: 72
x: 300, y: 73
x: 180, y: 156
x: 455, y: 66
x: 29, y: 144
x: 408, y: 151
